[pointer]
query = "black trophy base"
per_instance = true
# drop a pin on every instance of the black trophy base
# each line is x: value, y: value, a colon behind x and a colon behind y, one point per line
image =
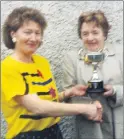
x: 95, y: 87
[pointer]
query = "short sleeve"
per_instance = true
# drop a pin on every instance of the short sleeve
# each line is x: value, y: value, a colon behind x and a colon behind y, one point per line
x: 12, y: 83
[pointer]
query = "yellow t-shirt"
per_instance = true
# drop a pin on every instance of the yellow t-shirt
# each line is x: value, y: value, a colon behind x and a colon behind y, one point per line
x: 20, y: 78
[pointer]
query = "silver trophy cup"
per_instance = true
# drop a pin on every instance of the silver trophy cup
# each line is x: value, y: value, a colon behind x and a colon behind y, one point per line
x: 95, y: 84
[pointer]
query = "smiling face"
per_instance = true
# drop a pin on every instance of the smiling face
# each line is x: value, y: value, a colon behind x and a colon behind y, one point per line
x: 92, y: 36
x: 28, y: 37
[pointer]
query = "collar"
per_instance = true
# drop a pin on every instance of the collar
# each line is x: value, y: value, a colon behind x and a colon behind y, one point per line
x: 108, y: 50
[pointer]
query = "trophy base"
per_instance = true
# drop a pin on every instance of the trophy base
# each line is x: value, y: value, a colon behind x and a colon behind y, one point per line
x: 95, y: 87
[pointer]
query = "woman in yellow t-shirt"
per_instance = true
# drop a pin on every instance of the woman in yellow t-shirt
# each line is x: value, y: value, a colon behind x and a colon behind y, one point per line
x: 30, y: 100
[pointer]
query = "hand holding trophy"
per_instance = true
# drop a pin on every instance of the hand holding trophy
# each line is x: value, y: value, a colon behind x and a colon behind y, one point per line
x: 95, y: 84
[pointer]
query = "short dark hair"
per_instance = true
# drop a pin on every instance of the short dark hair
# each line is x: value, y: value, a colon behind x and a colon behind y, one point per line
x: 94, y: 16
x: 16, y: 19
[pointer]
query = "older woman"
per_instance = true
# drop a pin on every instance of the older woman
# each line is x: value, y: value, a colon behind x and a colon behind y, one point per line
x: 93, y: 30
x: 30, y: 100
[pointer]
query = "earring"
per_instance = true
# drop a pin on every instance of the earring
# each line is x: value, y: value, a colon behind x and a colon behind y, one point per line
x: 14, y: 39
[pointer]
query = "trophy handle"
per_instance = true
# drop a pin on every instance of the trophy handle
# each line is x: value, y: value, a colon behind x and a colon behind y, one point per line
x: 103, y: 50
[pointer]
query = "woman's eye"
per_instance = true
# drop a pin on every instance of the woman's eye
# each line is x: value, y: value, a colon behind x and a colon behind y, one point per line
x: 38, y: 33
x: 95, y: 32
x: 27, y: 32
x: 85, y: 34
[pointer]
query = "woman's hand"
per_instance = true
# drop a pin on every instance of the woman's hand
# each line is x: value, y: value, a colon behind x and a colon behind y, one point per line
x: 95, y: 111
x: 99, y: 111
x: 77, y: 90
x: 109, y: 91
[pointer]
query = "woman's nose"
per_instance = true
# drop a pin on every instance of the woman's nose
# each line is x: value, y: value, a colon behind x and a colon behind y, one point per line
x: 33, y: 37
x: 90, y: 37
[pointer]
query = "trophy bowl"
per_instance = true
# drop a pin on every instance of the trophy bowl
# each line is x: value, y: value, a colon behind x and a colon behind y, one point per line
x: 95, y: 57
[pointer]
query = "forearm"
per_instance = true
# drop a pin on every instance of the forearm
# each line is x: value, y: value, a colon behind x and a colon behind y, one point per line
x: 54, y: 109
x: 48, y: 108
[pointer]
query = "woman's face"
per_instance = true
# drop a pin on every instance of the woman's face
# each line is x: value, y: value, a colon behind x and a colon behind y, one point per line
x: 28, y: 37
x: 92, y: 36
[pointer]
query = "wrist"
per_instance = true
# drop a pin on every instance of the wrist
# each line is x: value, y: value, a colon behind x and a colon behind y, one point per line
x: 114, y: 91
x: 67, y: 93
x: 62, y: 96
x: 114, y: 94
